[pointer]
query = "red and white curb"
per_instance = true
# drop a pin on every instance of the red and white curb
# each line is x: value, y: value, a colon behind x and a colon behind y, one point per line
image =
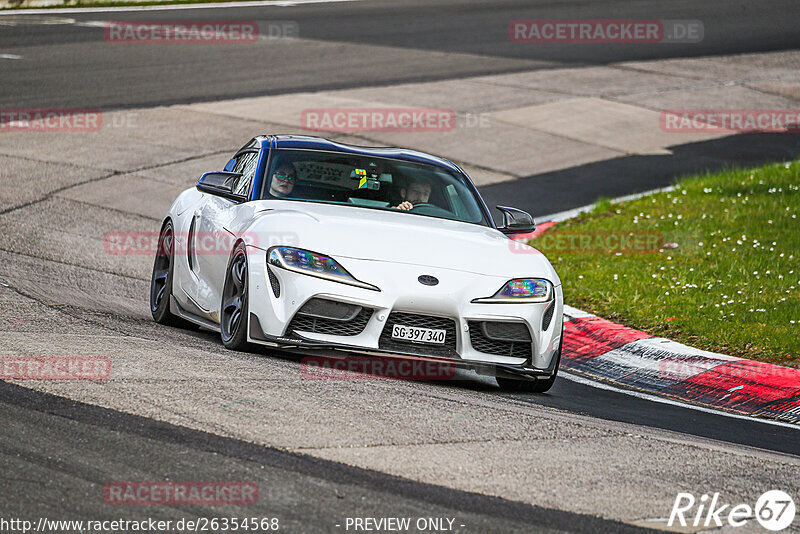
x: 610, y: 352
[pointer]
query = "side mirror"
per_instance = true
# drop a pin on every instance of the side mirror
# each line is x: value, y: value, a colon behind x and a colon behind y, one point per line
x: 516, y: 221
x: 220, y: 184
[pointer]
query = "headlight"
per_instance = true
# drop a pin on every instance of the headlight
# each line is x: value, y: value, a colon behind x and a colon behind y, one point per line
x: 313, y: 264
x: 521, y: 290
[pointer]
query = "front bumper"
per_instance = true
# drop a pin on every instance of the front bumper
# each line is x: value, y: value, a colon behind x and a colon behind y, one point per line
x: 401, y: 292
x: 306, y: 346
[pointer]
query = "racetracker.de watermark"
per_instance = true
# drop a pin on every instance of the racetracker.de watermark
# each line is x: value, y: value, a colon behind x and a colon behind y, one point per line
x: 730, y: 120
x: 348, y: 120
x: 50, y: 120
x: 133, y: 243
x: 678, y: 369
x: 589, y: 31
x: 55, y: 368
x: 374, y: 368
x: 198, y: 31
x: 592, y: 242
x: 180, y: 493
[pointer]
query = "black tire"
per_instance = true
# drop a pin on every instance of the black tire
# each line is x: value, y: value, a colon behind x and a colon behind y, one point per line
x: 234, y: 309
x: 540, y: 385
x: 161, y: 280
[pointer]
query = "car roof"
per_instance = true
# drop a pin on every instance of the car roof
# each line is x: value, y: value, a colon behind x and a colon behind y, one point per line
x: 308, y: 142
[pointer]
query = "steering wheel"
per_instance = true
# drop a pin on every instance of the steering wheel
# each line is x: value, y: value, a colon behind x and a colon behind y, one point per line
x: 424, y: 208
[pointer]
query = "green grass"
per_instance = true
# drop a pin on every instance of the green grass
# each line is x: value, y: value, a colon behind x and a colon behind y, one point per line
x: 732, y: 285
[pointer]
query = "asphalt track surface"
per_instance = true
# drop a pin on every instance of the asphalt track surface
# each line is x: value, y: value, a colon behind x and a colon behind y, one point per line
x: 55, y: 452
x: 407, y: 40
x: 52, y: 425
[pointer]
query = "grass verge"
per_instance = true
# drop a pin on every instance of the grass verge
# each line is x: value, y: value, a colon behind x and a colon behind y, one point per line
x: 712, y: 264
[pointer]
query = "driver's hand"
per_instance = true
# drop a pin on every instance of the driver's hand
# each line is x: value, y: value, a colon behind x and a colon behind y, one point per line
x: 405, y: 205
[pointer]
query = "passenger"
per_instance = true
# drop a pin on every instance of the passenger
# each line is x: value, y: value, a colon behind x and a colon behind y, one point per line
x: 283, y: 180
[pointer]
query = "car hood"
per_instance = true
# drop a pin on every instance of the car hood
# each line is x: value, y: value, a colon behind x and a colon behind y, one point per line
x: 398, y: 237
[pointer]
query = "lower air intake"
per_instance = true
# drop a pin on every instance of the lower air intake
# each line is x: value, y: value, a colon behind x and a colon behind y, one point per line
x: 500, y: 338
x: 323, y: 316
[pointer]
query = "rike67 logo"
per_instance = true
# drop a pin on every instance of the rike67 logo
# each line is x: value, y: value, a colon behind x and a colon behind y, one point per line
x: 774, y: 510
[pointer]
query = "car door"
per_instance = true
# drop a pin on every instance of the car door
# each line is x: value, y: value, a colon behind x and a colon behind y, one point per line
x: 213, y: 235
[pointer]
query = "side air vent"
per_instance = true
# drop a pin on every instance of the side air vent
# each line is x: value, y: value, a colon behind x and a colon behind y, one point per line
x: 548, y: 316
x: 274, y: 282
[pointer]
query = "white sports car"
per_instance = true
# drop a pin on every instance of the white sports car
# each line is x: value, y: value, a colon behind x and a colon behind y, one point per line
x: 301, y: 243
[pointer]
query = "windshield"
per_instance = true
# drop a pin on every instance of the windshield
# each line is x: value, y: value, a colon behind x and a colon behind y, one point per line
x: 368, y: 182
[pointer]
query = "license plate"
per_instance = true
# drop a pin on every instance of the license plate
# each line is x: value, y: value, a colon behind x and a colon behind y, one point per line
x: 421, y: 335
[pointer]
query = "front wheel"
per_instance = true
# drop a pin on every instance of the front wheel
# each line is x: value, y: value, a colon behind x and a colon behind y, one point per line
x: 234, y: 309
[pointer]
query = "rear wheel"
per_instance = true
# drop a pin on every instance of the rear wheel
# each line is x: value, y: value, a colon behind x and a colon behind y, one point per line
x: 234, y: 309
x: 161, y: 280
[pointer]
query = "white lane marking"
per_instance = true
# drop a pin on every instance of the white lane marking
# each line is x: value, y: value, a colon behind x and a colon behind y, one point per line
x: 216, y: 5
x: 30, y: 21
x: 654, y: 398
x: 10, y: 56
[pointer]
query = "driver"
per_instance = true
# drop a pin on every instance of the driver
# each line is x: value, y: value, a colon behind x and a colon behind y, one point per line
x: 283, y: 179
x: 415, y: 192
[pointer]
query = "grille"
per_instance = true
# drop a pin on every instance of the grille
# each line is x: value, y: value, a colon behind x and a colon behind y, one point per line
x: 447, y: 350
x: 273, y: 281
x: 323, y: 316
x: 501, y: 338
x: 548, y: 315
